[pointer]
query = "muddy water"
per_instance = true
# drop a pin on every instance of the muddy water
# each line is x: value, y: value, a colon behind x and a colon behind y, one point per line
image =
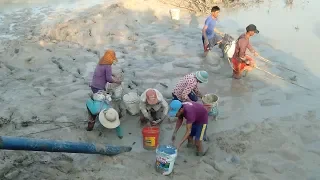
x: 289, y: 36
x: 289, y: 32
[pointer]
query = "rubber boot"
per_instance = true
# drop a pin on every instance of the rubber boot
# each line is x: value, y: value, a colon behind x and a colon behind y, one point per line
x: 92, y: 121
x: 119, y: 132
x: 90, y: 126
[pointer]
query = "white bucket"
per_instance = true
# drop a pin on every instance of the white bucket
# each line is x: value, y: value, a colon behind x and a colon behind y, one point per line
x: 210, y: 101
x: 175, y: 14
x: 115, y: 89
x: 165, y: 157
x: 131, y: 101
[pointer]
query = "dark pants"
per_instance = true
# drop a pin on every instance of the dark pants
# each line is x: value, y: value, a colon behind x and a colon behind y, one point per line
x: 212, y: 42
x: 95, y: 90
x: 192, y: 96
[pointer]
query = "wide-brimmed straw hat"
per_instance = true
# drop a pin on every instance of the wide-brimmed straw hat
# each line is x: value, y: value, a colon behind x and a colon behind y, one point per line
x: 109, y: 118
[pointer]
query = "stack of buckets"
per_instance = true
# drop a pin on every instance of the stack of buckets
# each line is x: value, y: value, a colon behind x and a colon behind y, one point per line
x: 165, y: 154
x: 210, y: 102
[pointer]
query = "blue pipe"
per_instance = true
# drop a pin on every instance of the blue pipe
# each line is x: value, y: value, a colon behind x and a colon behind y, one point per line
x: 30, y: 144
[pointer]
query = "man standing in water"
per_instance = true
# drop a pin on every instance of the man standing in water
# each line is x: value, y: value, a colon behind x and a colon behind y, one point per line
x: 210, y: 36
x: 197, y: 119
x: 242, y: 62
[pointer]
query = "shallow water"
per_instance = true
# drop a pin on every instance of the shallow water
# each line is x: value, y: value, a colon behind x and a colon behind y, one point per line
x: 289, y: 34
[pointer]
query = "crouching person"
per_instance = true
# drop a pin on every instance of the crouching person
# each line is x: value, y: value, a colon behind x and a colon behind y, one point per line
x: 153, y: 107
x: 197, y: 119
x: 187, y: 87
x: 108, y: 117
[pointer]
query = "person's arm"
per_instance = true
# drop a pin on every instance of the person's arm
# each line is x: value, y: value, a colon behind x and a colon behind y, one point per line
x: 218, y: 32
x: 242, y: 49
x: 178, y: 125
x: 108, y: 72
x: 204, y: 29
x: 186, y: 135
x: 252, y: 50
x: 143, y: 109
x: 197, y: 91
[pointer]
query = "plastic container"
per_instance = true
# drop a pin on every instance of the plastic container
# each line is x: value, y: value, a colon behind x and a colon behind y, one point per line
x: 131, y: 101
x: 175, y: 14
x: 115, y: 89
x: 150, y: 137
x: 210, y: 102
x: 165, y: 157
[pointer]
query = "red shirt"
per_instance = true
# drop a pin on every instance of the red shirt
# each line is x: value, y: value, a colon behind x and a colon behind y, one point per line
x: 241, y: 46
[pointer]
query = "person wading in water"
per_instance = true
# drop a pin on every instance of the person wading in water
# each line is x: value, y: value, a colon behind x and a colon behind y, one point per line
x: 242, y: 62
x: 210, y: 35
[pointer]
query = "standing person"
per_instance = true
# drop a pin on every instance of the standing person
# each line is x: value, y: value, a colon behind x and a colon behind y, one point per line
x: 210, y: 36
x: 153, y: 106
x: 187, y: 87
x: 196, y: 123
x: 103, y: 72
x: 242, y: 62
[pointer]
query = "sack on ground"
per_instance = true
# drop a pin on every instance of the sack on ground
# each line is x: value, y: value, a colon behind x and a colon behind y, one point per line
x: 131, y: 102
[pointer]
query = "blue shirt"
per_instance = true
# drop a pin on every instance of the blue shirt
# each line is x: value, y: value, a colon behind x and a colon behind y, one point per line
x: 211, y: 23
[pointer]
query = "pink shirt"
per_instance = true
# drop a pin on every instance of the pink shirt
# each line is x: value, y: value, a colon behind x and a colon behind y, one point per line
x: 184, y: 87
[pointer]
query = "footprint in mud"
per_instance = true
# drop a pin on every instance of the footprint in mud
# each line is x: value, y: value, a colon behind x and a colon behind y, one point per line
x: 268, y: 102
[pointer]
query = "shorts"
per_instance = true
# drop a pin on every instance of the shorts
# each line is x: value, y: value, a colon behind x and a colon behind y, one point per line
x: 198, y: 131
x: 212, y: 42
x: 239, y: 66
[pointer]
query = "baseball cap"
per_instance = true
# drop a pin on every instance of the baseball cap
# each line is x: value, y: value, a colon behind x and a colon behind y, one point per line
x: 252, y: 27
x: 175, y: 106
x: 151, y: 97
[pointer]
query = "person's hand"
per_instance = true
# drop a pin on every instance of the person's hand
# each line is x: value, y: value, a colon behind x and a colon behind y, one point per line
x: 206, y: 42
x: 178, y: 146
x: 256, y: 54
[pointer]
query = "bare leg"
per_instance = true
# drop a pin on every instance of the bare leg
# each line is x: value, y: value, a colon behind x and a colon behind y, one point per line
x: 92, y: 121
x: 199, y: 147
x: 205, y: 53
x: 190, y: 142
x: 237, y: 72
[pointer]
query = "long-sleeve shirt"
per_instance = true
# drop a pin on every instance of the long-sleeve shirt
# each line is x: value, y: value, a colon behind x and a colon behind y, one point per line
x: 102, y: 75
x: 145, y: 107
x: 241, y: 46
x: 184, y: 87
